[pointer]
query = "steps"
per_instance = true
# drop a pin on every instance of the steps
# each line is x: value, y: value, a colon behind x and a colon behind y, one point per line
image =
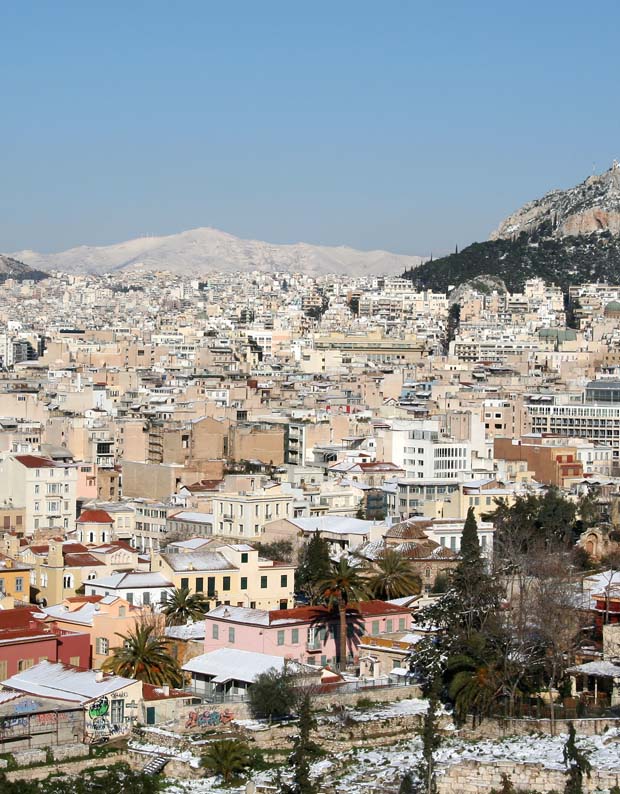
x: 155, y: 765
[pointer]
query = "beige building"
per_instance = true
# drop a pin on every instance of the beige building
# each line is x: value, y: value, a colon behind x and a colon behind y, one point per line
x: 44, y: 489
x: 244, y: 515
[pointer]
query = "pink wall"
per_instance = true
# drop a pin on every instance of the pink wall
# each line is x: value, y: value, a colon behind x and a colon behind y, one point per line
x: 264, y: 639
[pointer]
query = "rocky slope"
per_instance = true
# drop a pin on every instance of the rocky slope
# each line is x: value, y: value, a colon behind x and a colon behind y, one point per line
x: 592, y: 206
x: 201, y: 250
x: 566, y: 237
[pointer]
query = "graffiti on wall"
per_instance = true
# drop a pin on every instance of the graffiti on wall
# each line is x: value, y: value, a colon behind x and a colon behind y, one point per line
x: 99, y: 708
x: 208, y: 718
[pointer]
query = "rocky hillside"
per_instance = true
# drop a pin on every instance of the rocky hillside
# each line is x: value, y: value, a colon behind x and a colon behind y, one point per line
x: 199, y: 251
x: 566, y: 237
x: 592, y: 206
x: 13, y: 268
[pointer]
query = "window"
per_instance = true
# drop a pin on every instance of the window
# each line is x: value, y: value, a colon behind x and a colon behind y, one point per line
x: 226, y: 583
x: 25, y: 664
x: 283, y: 580
x: 4, y: 671
x: 163, y: 597
x: 146, y: 598
x: 401, y: 624
x: 102, y: 646
x: 184, y: 584
x: 2, y: 590
x: 388, y: 626
x: 200, y: 583
x: 374, y: 630
x: 129, y: 597
x: 74, y: 661
x: 244, y: 556
x: 117, y: 712
x: 67, y: 581
x: 280, y: 639
x: 211, y: 586
x: 122, y: 611
x: 216, y: 631
x: 231, y: 634
x: 244, y: 583
x: 294, y: 636
x: 37, y: 488
x: 263, y: 582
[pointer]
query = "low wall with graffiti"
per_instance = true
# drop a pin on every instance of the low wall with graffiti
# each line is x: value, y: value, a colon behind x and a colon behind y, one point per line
x: 28, y: 728
x: 197, y: 718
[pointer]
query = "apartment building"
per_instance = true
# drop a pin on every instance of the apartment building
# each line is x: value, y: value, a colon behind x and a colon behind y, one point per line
x: 43, y: 488
x: 230, y: 574
x: 243, y: 515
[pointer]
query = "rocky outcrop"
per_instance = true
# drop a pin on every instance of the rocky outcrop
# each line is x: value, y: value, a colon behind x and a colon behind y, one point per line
x: 592, y: 206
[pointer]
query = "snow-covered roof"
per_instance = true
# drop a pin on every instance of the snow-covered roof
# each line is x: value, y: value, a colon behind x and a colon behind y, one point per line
x: 198, y: 561
x: 598, y: 669
x: 131, y: 579
x: 229, y: 664
x: 341, y: 525
x: 55, y: 680
x: 191, y: 631
x: 188, y: 515
x: 191, y: 544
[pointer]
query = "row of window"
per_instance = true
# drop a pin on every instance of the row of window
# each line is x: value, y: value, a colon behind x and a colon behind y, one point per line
x: 19, y: 585
x: 226, y: 583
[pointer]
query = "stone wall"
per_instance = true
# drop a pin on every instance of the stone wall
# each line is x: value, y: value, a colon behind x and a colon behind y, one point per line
x: 498, y: 728
x: 75, y: 767
x: 474, y: 777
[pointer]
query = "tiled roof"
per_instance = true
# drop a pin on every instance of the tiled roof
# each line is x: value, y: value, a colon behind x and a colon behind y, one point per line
x: 95, y: 517
x: 35, y: 462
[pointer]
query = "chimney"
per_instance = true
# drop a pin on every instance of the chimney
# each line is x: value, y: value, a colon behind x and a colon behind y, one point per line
x: 166, y: 690
x: 98, y: 676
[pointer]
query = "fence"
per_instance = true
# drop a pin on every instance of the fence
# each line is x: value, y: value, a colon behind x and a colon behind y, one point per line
x: 337, y: 687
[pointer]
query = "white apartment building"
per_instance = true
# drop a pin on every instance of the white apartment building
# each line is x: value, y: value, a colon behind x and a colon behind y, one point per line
x: 43, y: 488
x: 424, y: 454
x: 150, y: 525
x: 244, y: 514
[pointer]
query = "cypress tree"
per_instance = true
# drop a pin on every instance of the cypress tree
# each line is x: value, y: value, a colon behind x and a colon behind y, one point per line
x: 576, y: 762
x: 304, y: 750
x: 431, y: 740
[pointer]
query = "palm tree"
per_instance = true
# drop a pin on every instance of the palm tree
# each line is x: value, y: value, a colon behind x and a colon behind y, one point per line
x: 393, y: 577
x: 474, y: 686
x: 227, y: 757
x: 183, y: 607
x: 343, y: 584
x: 144, y: 656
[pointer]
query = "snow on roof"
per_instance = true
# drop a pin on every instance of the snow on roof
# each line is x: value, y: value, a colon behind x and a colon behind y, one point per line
x: 192, y: 543
x: 191, y: 631
x: 131, y: 579
x: 229, y: 664
x: 598, y: 669
x: 336, y: 524
x: 205, y: 561
x: 188, y: 515
x: 55, y: 680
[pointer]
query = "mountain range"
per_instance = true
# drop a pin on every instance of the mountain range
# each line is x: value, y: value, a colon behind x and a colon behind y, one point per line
x: 565, y: 237
x: 199, y: 251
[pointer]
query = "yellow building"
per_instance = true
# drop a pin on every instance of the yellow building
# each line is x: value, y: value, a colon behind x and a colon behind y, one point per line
x: 230, y: 574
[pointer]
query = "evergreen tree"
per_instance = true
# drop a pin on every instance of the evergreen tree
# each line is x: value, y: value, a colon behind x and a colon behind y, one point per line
x: 313, y: 566
x: 272, y: 694
x: 406, y: 784
x: 577, y: 764
x: 430, y: 743
x: 304, y: 750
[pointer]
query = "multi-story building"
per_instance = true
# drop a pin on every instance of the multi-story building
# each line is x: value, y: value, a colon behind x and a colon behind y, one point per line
x: 45, y: 489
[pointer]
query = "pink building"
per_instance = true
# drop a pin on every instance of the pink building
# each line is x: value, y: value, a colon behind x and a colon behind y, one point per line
x: 307, y: 634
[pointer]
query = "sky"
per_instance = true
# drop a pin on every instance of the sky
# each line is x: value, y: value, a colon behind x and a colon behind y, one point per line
x: 408, y: 126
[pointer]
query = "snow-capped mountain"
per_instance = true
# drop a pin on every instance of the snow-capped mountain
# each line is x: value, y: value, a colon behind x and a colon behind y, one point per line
x: 593, y: 205
x: 201, y: 250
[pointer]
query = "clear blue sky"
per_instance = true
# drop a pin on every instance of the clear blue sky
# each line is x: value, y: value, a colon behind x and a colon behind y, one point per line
x: 411, y: 126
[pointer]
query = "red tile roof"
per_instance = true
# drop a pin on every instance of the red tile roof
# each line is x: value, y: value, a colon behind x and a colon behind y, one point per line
x: 95, y: 517
x: 364, y: 608
x: 80, y: 560
x: 35, y: 462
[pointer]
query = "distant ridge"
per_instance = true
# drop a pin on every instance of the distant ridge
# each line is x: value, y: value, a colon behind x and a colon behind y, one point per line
x: 199, y: 251
x: 565, y: 237
x: 13, y: 268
